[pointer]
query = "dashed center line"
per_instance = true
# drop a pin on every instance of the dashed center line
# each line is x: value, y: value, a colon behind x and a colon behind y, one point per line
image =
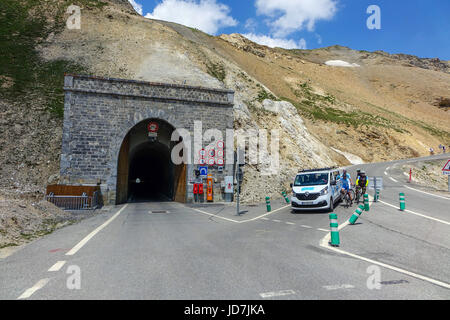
x: 338, y: 287
x: 304, y: 226
x: 277, y: 293
x: 57, y: 266
x: 29, y: 292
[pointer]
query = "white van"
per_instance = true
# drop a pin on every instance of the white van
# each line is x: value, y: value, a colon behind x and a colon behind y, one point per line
x: 316, y: 189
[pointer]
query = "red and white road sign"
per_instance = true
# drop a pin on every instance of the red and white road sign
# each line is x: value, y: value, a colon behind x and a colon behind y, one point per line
x: 220, y: 144
x: 446, y: 168
x: 220, y: 153
x: 202, y: 153
x: 220, y: 162
x: 153, y: 127
x: 202, y: 161
x: 211, y: 161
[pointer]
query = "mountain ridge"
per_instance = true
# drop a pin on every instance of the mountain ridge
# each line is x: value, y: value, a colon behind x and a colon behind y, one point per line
x: 389, y: 108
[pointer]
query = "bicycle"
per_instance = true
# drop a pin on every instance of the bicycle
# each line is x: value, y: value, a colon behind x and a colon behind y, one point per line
x: 347, y: 201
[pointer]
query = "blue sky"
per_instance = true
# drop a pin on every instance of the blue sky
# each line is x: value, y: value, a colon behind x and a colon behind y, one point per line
x: 415, y: 27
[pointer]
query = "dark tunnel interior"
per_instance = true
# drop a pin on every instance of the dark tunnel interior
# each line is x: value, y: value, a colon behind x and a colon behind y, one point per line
x: 150, y: 162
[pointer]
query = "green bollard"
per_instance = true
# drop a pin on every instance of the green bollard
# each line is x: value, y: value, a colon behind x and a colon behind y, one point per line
x: 269, y: 207
x: 357, y: 214
x: 366, y: 202
x: 377, y: 195
x: 286, y: 197
x: 334, y: 225
x: 402, y: 202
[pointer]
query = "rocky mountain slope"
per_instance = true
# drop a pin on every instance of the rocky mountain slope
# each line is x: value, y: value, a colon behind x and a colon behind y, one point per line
x: 387, y: 107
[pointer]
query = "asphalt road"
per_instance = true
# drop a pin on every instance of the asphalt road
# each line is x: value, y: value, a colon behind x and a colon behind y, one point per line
x: 172, y: 251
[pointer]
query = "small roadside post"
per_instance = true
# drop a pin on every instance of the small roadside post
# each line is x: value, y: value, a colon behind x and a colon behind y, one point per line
x: 446, y: 171
x: 240, y: 162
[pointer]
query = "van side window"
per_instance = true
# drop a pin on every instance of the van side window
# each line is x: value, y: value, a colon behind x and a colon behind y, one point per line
x: 336, y: 175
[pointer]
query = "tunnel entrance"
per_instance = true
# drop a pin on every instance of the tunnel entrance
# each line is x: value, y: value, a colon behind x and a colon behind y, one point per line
x: 145, y: 169
x: 151, y: 173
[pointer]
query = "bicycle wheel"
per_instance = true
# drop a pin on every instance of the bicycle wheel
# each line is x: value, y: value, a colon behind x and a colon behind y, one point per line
x: 347, y: 200
x: 358, y: 196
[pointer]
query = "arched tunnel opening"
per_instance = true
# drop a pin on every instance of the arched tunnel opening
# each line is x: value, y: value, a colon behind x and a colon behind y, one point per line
x: 151, y: 173
x: 145, y: 169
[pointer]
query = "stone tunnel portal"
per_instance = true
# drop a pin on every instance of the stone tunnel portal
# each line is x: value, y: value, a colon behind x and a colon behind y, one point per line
x: 145, y: 169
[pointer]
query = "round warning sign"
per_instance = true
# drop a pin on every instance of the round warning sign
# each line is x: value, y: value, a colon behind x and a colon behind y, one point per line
x: 220, y: 162
x: 220, y: 144
x: 153, y: 127
x: 211, y: 161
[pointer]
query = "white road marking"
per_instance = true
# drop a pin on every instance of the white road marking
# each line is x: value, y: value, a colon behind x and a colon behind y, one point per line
x: 320, y: 229
x: 325, y: 244
x: 264, y: 215
x: 265, y: 219
x: 387, y: 169
x: 236, y: 221
x: 338, y: 287
x: 415, y: 213
x: 393, y: 179
x: 93, y: 233
x: 29, y: 292
x: 57, y: 266
x: 409, y: 273
x: 291, y: 223
x: 434, y: 195
x: 276, y: 220
x: 308, y: 227
x: 385, y: 173
x: 277, y: 293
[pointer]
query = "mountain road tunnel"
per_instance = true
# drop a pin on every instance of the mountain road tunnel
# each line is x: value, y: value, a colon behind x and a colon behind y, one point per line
x: 117, y: 134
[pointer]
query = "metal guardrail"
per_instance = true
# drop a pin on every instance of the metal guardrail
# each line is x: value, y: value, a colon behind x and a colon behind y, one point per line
x: 83, y: 202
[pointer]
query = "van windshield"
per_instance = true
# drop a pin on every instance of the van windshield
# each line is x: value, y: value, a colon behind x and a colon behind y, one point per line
x: 311, y: 179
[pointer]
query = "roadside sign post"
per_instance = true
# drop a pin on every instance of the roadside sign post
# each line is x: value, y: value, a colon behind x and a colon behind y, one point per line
x: 446, y: 170
x: 239, y: 174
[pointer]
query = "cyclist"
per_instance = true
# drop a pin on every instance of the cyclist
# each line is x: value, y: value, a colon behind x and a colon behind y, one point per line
x: 346, y: 185
x: 362, y: 182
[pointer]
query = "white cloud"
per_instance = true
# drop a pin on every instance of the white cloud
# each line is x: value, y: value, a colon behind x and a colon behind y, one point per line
x: 276, y: 42
x: 136, y: 6
x: 288, y: 16
x: 206, y: 15
x: 251, y: 25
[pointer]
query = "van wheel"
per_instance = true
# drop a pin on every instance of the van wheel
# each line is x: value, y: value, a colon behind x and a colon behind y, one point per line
x: 331, y: 207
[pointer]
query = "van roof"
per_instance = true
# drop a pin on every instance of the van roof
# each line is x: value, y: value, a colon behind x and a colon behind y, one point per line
x: 318, y: 170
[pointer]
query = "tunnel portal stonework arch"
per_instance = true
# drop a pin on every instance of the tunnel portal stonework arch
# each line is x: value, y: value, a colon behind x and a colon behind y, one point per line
x: 99, y: 113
